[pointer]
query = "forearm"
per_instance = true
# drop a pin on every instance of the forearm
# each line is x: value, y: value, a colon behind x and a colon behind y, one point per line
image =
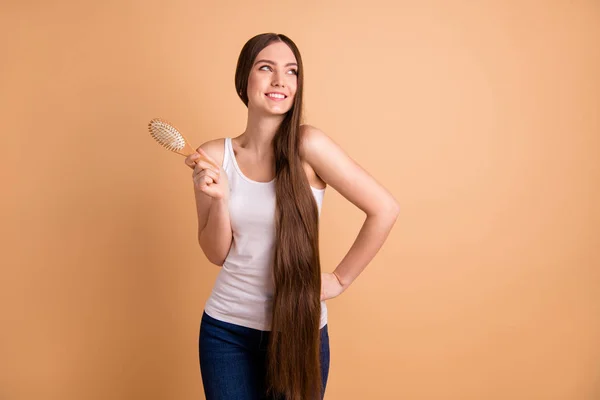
x: 371, y: 237
x: 216, y: 236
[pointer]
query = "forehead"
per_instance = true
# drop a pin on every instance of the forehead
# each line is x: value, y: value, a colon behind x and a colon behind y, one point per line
x: 278, y: 52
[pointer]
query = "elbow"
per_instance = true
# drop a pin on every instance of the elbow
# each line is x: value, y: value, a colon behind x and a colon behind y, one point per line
x: 211, y: 255
x: 395, y: 209
x: 387, y: 215
x: 390, y: 209
x: 217, y: 261
x: 393, y: 212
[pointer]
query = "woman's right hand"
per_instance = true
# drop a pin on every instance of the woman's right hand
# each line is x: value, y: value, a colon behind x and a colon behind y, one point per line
x: 207, y: 176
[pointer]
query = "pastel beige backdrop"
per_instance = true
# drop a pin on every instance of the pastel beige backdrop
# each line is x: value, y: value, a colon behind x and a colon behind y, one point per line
x: 480, y: 117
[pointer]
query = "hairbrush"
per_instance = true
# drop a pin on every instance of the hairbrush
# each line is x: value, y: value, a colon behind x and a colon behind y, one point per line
x: 171, y: 139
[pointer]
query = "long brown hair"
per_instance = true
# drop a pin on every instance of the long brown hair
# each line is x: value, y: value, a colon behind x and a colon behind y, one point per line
x: 293, y: 362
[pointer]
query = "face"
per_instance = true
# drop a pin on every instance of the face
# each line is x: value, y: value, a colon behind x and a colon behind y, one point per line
x: 272, y: 81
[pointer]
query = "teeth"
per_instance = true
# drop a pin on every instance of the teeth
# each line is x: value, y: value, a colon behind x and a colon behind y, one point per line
x: 275, y: 95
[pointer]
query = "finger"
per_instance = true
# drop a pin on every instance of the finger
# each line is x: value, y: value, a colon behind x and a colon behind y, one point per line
x: 208, y: 158
x: 209, y: 191
x: 191, y: 160
x: 205, y: 173
x: 201, y: 151
x: 196, y: 158
x: 202, y: 181
x: 205, y: 165
x: 200, y: 172
x: 206, y: 181
x: 199, y: 167
x: 212, y: 174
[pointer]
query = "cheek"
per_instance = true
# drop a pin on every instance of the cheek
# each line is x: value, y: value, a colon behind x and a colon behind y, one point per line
x: 292, y: 85
x: 255, y: 82
x: 251, y: 85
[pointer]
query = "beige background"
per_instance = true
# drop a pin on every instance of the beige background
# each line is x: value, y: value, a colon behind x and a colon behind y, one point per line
x: 480, y: 117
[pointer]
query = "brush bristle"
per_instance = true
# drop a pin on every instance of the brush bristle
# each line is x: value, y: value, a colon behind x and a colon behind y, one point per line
x: 165, y: 134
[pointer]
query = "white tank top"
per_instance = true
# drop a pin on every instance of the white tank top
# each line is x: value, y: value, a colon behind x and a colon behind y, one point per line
x: 243, y: 291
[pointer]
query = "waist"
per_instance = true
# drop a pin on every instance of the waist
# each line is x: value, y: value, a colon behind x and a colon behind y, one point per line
x: 245, y: 299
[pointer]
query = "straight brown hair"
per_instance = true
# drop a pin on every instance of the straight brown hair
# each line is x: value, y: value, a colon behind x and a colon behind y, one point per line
x: 293, y: 358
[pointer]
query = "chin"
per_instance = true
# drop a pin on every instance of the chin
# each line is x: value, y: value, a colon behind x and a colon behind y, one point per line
x: 283, y: 112
x: 280, y: 111
x: 271, y: 111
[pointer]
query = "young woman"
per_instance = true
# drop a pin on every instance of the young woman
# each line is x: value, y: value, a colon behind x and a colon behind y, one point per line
x: 263, y: 333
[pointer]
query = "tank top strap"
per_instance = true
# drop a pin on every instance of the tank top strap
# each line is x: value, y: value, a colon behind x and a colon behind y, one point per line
x: 227, y: 153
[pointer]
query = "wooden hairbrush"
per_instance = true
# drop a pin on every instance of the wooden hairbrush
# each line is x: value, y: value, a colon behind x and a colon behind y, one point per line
x: 171, y: 139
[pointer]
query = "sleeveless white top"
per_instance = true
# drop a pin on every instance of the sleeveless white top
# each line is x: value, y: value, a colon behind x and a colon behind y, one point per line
x: 243, y: 291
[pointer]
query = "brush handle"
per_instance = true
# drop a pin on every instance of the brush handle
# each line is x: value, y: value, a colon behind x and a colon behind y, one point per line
x: 187, y: 150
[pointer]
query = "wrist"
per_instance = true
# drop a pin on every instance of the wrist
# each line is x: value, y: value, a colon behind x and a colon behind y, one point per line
x: 340, y: 280
x: 219, y: 203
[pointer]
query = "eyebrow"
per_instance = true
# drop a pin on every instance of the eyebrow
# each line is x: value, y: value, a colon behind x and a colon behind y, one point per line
x: 273, y: 63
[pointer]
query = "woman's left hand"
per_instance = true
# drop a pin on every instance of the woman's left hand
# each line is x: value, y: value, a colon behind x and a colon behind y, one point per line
x: 330, y: 286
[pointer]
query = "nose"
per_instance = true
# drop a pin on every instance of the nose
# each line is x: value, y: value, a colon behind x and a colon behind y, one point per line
x: 277, y: 80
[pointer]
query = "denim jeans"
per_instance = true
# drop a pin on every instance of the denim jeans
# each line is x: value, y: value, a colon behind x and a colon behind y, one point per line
x: 233, y: 360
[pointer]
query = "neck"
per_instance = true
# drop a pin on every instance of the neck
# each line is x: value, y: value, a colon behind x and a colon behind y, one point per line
x: 259, y: 133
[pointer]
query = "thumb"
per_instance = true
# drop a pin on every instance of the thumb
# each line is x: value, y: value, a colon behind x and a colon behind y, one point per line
x: 207, y: 158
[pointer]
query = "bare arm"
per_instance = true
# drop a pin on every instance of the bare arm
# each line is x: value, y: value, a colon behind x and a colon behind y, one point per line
x: 211, y: 190
x: 214, y: 228
x: 343, y: 174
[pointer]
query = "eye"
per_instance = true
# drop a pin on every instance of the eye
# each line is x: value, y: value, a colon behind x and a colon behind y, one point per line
x: 293, y: 71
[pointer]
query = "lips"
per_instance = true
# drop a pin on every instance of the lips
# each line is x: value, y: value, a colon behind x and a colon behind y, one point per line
x: 277, y: 96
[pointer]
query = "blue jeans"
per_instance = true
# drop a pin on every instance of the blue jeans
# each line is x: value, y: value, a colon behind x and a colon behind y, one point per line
x: 233, y: 360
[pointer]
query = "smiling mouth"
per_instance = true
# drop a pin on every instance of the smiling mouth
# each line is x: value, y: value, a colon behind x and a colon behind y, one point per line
x: 276, y: 96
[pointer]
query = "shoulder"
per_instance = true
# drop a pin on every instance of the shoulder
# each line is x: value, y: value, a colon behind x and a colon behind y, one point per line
x: 316, y: 145
x: 338, y: 170
x: 311, y: 138
x: 313, y: 146
x: 215, y: 149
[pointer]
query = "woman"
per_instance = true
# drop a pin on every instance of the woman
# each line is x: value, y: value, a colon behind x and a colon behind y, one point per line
x: 264, y: 328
